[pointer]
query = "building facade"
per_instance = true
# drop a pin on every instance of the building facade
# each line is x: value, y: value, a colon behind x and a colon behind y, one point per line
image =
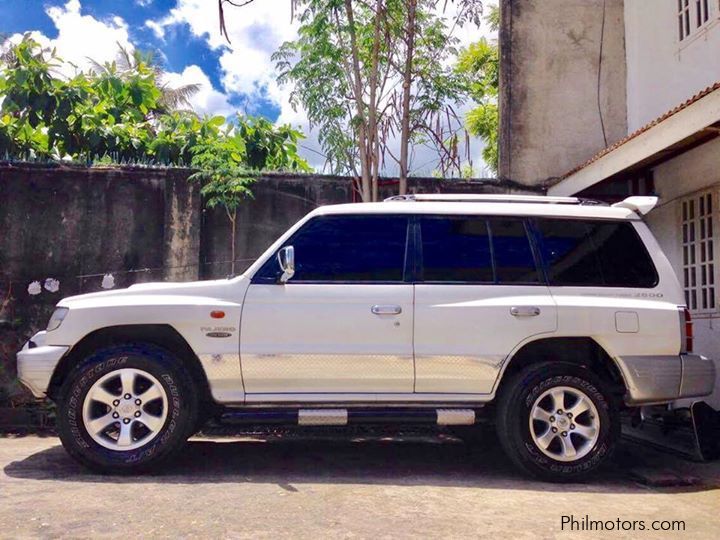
x: 611, y: 98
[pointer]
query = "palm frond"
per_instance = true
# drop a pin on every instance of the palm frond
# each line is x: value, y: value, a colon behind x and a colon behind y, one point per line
x: 7, y: 54
x: 125, y: 58
x: 97, y: 67
x: 175, y: 98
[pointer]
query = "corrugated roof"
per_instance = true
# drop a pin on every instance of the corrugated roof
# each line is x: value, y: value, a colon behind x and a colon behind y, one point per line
x: 684, y: 105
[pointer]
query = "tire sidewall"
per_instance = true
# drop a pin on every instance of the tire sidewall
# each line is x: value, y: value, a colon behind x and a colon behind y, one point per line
x: 153, y: 360
x: 534, y: 384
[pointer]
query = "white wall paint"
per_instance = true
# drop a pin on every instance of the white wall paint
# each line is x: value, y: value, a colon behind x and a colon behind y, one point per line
x: 662, y: 72
x: 689, y: 173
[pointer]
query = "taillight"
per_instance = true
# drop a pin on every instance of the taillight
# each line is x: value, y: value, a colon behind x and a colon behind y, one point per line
x: 686, y: 329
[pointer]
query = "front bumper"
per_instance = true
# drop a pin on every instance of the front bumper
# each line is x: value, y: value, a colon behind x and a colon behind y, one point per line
x: 36, y: 363
x: 661, y: 379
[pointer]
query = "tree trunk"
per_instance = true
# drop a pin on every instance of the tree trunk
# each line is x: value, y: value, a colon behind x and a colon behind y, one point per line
x: 407, y: 80
x: 365, y: 173
x: 373, y: 142
x: 233, y: 219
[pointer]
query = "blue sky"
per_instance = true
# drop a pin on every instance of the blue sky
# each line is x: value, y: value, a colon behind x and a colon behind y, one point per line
x: 179, y: 43
x: 234, y: 78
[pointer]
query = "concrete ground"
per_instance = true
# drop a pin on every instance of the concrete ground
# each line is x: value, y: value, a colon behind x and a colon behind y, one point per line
x: 347, y: 487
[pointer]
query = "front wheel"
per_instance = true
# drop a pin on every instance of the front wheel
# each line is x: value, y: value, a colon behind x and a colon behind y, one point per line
x: 126, y: 409
x: 557, y: 421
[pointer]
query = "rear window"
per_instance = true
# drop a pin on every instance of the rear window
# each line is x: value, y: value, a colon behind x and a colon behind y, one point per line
x: 585, y: 253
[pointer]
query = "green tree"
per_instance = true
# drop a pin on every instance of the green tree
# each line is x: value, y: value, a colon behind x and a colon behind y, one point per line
x: 270, y: 147
x: 88, y: 116
x: 228, y: 165
x: 30, y: 94
x: 367, y: 71
x: 119, y: 113
x: 128, y: 62
x: 479, y: 65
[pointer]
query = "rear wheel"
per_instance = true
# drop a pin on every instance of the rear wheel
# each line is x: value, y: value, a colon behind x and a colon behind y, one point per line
x: 126, y: 408
x: 557, y: 421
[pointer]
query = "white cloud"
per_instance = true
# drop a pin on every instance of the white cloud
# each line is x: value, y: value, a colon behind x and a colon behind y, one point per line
x: 156, y: 28
x: 255, y: 32
x: 207, y: 100
x: 83, y: 36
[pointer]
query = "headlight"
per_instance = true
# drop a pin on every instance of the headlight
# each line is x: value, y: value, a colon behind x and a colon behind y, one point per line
x: 57, y: 318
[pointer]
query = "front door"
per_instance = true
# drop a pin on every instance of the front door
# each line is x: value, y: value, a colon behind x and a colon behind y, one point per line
x: 479, y: 296
x: 342, y: 324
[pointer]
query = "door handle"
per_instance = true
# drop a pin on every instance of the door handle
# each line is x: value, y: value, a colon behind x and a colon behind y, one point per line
x: 386, y: 310
x: 524, y: 311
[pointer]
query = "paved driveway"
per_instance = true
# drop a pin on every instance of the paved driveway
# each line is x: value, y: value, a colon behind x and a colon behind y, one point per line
x: 312, y: 487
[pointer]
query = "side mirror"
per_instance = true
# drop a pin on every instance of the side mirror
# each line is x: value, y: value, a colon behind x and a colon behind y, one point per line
x: 286, y: 258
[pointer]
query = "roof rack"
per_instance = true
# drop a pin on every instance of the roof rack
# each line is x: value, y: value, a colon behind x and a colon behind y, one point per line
x: 469, y: 197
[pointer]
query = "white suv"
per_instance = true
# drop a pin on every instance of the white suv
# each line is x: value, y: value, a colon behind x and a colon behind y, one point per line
x: 546, y: 315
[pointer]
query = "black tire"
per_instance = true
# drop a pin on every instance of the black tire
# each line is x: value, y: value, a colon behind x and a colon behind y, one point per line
x: 181, y: 416
x: 516, y: 401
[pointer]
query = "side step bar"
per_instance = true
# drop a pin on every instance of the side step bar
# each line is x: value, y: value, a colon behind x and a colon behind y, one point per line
x: 344, y: 417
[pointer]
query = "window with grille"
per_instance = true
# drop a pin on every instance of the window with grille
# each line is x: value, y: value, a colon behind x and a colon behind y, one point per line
x: 702, y: 9
x: 694, y: 16
x: 698, y: 252
x: 683, y: 18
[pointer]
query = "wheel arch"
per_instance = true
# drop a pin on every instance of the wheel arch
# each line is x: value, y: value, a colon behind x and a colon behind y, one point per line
x: 162, y: 335
x: 582, y: 351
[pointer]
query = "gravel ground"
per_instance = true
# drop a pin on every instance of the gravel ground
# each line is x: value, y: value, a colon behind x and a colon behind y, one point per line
x: 345, y: 486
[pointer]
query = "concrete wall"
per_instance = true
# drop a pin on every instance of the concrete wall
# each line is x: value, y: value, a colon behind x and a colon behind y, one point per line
x: 663, y: 71
x: 73, y: 225
x: 551, y: 81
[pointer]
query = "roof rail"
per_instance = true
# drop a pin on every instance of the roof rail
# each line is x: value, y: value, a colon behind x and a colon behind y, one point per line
x: 471, y: 197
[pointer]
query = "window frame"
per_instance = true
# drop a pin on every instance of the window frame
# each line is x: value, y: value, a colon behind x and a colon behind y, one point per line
x: 684, y: 16
x: 702, y: 13
x: 694, y: 19
x: 408, y: 260
x: 696, y: 245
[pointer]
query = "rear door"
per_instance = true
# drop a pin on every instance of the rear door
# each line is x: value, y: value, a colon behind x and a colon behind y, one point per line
x: 479, y: 295
x: 341, y: 327
x: 606, y: 286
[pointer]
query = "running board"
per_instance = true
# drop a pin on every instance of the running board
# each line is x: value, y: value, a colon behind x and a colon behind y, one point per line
x: 343, y: 417
x: 322, y: 417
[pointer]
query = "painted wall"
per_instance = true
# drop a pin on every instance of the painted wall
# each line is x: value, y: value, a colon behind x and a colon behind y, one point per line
x: 556, y: 84
x: 692, y: 172
x: 662, y: 71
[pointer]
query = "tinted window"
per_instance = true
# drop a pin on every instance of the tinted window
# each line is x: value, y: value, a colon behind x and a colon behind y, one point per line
x: 595, y: 253
x: 346, y: 248
x: 514, y: 261
x: 456, y: 249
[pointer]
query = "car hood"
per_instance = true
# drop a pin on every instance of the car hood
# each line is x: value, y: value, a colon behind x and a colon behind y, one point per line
x: 219, y: 288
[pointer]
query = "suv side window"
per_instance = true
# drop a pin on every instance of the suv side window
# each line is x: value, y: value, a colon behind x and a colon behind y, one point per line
x: 456, y: 249
x: 585, y: 253
x: 514, y: 260
x: 368, y: 248
x: 476, y: 249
